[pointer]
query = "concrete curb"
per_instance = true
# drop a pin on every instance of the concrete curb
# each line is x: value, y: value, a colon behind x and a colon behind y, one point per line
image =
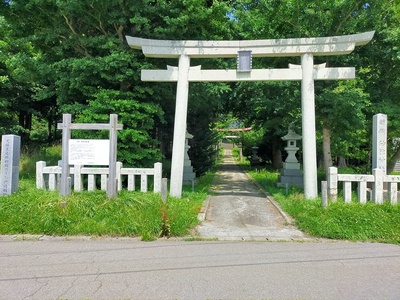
x: 203, y: 211
x: 64, y: 238
x: 201, y: 216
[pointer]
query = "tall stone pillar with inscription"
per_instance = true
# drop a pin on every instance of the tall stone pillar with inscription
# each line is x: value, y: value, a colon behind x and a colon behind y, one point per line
x: 10, y: 155
x: 379, y: 147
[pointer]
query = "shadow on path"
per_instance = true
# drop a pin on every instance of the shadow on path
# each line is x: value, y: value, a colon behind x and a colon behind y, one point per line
x: 238, y: 211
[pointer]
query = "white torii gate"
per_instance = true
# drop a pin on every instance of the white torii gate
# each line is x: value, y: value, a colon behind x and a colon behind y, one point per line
x: 307, y: 48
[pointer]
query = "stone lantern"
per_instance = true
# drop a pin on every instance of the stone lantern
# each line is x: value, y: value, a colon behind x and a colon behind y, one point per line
x: 291, y: 148
x: 255, y: 160
x: 188, y: 174
x: 291, y: 173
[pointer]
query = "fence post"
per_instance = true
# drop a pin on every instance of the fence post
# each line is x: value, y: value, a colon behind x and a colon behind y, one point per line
x: 78, y: 178
x: 393, y: 192
x: 59, y: 164
x: 164, y: 185
x: 347, y: 191
x: 324, y: 193
x: 40, y: 183
x: 157, y: 177
x: 65, y: 189
x: 332, y: 184
x: 131, y: 182
x: 112, y: 189
x: 103, y: 182
x: 52, y: 182
x: 119, y: 176
x: 362, y: 192
x: 377, y: 192
x: 91, y: 182
x: 143, y: 183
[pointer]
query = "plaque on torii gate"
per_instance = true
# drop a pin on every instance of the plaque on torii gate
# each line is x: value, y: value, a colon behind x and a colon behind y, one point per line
x: 306, y: 48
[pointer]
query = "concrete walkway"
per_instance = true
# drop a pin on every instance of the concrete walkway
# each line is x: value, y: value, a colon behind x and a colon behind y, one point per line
x: 238, y: 210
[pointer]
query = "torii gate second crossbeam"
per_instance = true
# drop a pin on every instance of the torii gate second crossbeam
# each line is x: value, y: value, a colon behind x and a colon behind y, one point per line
x: 306, y: 48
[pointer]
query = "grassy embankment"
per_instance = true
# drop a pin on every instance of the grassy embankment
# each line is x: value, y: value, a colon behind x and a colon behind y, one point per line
x: 354, y: 221
x: 33, y: 211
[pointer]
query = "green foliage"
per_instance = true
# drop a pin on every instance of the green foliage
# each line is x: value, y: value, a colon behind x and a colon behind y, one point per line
x: 345, y: 107
x: 182, y: 213
x: 28, y: 159
x: 250, y: 139
x: 65, y: 56
x: 358, y: 222
x: 84, y: 67
x: 136, y: 146
x: 203, y: 113
x: 103, y: 85
x: 349, y: 134
x: 43, y: 212
x: 17, y: 83
x: 236, y: 152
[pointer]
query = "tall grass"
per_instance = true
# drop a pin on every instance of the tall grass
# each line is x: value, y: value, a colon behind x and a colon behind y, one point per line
x: 354, y: 221
x: 28, y: 160
x: 33, y: 211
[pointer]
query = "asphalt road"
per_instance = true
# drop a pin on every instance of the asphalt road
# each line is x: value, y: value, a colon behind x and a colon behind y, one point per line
x: 56, y: 268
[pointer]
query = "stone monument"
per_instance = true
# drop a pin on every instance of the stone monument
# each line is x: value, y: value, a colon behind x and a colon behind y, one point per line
x: 379, y: 137
x: 188, y: 174
x: 10, y: 155
x: 291, y: 173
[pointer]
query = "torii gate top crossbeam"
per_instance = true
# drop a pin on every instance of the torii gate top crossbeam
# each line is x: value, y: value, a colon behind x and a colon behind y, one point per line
x: 318, y: 46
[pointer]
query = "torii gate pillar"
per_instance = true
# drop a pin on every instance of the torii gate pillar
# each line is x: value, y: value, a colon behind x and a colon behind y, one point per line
x: 181, y: 106
x: 308, y: 127
x: 306, y: 48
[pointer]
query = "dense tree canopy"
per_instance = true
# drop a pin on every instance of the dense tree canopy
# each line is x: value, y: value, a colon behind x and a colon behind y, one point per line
x: 82, y: 65
x: 72, y: 57
x: 344, y: 109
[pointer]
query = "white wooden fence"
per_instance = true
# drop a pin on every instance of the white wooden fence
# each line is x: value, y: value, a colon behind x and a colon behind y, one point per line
x: 377, y: 179
x: 49, y: 176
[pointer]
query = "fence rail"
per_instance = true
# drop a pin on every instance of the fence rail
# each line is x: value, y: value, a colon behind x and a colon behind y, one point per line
x: 49, y: 176
x: 378, y: 180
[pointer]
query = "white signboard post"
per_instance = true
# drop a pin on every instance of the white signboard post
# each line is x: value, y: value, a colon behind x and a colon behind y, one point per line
x: 89, y: 152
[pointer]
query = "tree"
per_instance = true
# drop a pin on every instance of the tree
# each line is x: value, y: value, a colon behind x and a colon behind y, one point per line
x: 71, y: 56
x: 87, y: 69
x: 348, y: 102
x: 271, y: 107
x: 343, y: 109
x: 19, y: 83
x: 382, y: 70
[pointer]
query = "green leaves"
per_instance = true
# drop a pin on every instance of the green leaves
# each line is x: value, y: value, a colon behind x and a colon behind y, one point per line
x: 63, y: 56
x: 136, y: 146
